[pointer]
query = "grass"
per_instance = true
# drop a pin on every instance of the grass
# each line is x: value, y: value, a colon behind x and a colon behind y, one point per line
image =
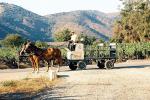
x: 9, y: 83
x: 26, y: 85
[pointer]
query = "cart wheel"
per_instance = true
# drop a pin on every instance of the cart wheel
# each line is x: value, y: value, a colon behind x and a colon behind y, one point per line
x: 109, y: 64
x: 81, y: 65
x: 72, y: 66
x: 101, y: 64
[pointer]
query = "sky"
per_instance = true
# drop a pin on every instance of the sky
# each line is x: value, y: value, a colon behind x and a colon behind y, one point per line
x: 45, y: 7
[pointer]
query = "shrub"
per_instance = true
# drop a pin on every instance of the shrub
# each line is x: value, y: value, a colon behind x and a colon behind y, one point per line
x: 41, y: 44
x: 9, y: 83
x: 87, y: 40
x: 12, y: 40
x: 9, y: 56
x: 63, y: 35
x: 133, y: 50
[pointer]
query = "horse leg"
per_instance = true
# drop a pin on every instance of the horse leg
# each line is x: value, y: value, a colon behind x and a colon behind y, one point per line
x: 32, y: 62
x: 59, y: 60
x: 33, y: 66
x: 37, y: 65
x: 47, y: 66
x: 52, y: 63
x: 58, y: 68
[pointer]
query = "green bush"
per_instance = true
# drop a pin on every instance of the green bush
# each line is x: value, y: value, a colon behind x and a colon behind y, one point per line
x: 9, y: 52
x: 12, y: 40
x: 123, y: 50
x: 9, y: 56
x: 133, y: 50
x: 41, y: 44
x: 88, y: 40
x: 9, y: 83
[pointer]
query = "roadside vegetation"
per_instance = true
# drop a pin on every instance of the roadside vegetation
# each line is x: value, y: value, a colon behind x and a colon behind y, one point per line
x: 9, y: 50
x: 26, y: 86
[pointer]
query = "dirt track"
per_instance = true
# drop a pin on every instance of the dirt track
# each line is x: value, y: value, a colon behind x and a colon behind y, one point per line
x: 128, y: 81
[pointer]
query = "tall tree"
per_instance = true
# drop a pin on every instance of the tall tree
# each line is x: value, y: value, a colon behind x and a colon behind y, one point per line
x: 62, y: 35
x: 134, y: 24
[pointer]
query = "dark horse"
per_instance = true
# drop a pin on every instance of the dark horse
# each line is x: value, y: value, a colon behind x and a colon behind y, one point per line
x: 36, y: 54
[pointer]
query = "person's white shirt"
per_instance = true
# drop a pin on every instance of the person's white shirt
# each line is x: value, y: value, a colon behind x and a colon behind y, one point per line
x: 74, y: 37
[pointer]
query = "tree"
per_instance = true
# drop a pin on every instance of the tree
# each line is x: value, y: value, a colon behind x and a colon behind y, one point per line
x: 41, y: 44
x: 62, y: 35
x: 87, y: 40
x: 101, y: 40
x: 133, y: 26
x: 12, y: 40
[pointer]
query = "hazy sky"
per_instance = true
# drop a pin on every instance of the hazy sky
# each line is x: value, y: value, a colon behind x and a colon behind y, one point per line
x: 44, y: 7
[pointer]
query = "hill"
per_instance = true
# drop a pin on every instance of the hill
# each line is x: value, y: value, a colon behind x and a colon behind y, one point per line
x: 91, y: 22
x: 15, y: 19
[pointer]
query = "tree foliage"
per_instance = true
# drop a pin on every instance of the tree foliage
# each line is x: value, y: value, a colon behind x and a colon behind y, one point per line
x: 65, y: 35
x: 62, y: 35
x: 134, y: 24
x: 41, y: 44
x: 87, y: 40
x: 12, y: 40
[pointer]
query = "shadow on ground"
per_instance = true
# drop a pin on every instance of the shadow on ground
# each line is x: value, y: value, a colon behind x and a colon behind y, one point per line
x: 116, y: 67
x: 48, y: 94
x: 125, y: 67
x: 15, y: 96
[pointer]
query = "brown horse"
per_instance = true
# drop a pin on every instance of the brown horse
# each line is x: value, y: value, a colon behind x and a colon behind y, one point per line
x: 33, y: 58
x: 36, y: 54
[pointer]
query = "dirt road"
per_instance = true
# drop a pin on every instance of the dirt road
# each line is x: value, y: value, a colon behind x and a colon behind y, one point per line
x: 128, y: 81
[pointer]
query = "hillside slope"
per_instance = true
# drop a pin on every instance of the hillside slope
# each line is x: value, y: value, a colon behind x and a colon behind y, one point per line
x: 91, y: 22
x: 14, y: 19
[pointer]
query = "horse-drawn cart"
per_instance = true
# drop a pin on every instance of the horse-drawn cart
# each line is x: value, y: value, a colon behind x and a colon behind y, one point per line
x: 79, y: 56
x: 103, y: 55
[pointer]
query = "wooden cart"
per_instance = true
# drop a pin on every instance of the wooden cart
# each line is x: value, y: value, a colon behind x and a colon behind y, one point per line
x: 104, y: 56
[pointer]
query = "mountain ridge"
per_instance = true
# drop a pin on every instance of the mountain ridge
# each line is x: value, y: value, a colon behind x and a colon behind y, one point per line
x: 97, y: 23
x: 15, y: 19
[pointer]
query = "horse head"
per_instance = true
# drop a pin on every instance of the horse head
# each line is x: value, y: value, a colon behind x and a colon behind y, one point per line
x: 26, y: 48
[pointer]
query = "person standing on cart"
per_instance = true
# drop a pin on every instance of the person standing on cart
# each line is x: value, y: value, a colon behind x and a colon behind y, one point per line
x: 73, y: 41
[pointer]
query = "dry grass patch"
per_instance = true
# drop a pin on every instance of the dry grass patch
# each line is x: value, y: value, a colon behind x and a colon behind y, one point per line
x: 26, y: 85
